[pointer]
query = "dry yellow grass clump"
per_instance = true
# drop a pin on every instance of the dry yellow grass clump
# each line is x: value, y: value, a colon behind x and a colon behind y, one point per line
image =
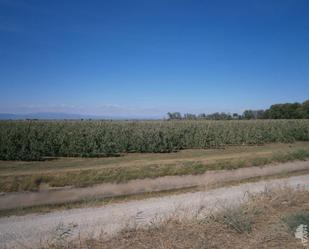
x: 267, y: 220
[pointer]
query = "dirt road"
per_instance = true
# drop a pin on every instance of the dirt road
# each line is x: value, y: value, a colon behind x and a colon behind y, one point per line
x: 14, y: 200
x: 32, y: 230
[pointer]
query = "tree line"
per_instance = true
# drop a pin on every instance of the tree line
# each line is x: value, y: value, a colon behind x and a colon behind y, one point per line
x: 278, y: 111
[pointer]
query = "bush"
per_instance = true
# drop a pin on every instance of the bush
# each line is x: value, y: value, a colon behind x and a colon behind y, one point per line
x: 299, y: 218
x: 238, y: 218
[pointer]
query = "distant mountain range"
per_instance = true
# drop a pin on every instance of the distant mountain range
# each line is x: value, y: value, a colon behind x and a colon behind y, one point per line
x: 61, y: 116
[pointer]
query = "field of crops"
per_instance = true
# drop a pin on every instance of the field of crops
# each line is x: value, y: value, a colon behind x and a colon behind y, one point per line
x: 33, y: 140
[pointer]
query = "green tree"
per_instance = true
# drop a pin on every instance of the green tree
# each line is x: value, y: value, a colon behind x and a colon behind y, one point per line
x: 174, y: 115
x: 189, y: 116
x: 305, y: 109
x: 285, y: 111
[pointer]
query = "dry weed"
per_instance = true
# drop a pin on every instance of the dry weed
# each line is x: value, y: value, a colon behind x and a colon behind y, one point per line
x: 258, y: 223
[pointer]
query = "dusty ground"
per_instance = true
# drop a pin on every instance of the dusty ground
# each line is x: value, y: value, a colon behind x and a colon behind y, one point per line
x: 25, y: 199
x: 85, y: 172
x: 31, y: 231
x: 137, y: 159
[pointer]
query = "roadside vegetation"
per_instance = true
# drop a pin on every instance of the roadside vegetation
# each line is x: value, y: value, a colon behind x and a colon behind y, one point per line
x: 101, y: 201
x: 11, y: 179
x: 266, y: 220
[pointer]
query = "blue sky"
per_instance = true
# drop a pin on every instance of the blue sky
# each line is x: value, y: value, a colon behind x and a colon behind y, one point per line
x: 148, y: 57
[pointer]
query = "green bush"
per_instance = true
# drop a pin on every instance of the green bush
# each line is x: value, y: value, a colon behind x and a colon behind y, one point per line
x: 299, y: 218
x: 238, y: 218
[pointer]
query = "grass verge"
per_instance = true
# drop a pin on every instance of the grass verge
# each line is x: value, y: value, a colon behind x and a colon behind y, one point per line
x: 84, y: 178
x: 97, y: 202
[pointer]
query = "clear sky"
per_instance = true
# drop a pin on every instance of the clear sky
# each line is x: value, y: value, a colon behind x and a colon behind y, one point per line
x: 148, y: 57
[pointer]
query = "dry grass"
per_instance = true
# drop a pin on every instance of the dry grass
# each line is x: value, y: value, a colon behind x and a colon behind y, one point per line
x: 258, y: 223
x: 144, y: 159
x: 99, y: 202
x: 16, y: 179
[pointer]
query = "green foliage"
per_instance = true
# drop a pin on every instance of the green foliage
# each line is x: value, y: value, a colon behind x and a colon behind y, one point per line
x: 277, y: 111
x: 296, y: 219
x: 174, y: 115
x: 36, y: 140
x: 285, y: 111
x: 305, y: 109
x: 280, y: 111
x: 239, y: 218
x: 253, y: 114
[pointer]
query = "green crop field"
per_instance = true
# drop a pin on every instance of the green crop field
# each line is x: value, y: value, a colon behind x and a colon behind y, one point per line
x: 35, y: 140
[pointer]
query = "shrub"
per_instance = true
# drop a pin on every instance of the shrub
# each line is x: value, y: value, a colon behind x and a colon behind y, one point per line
x: 299, y: 218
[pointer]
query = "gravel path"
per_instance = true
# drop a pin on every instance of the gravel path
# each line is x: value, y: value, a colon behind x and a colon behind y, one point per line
x: 33, y: 230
